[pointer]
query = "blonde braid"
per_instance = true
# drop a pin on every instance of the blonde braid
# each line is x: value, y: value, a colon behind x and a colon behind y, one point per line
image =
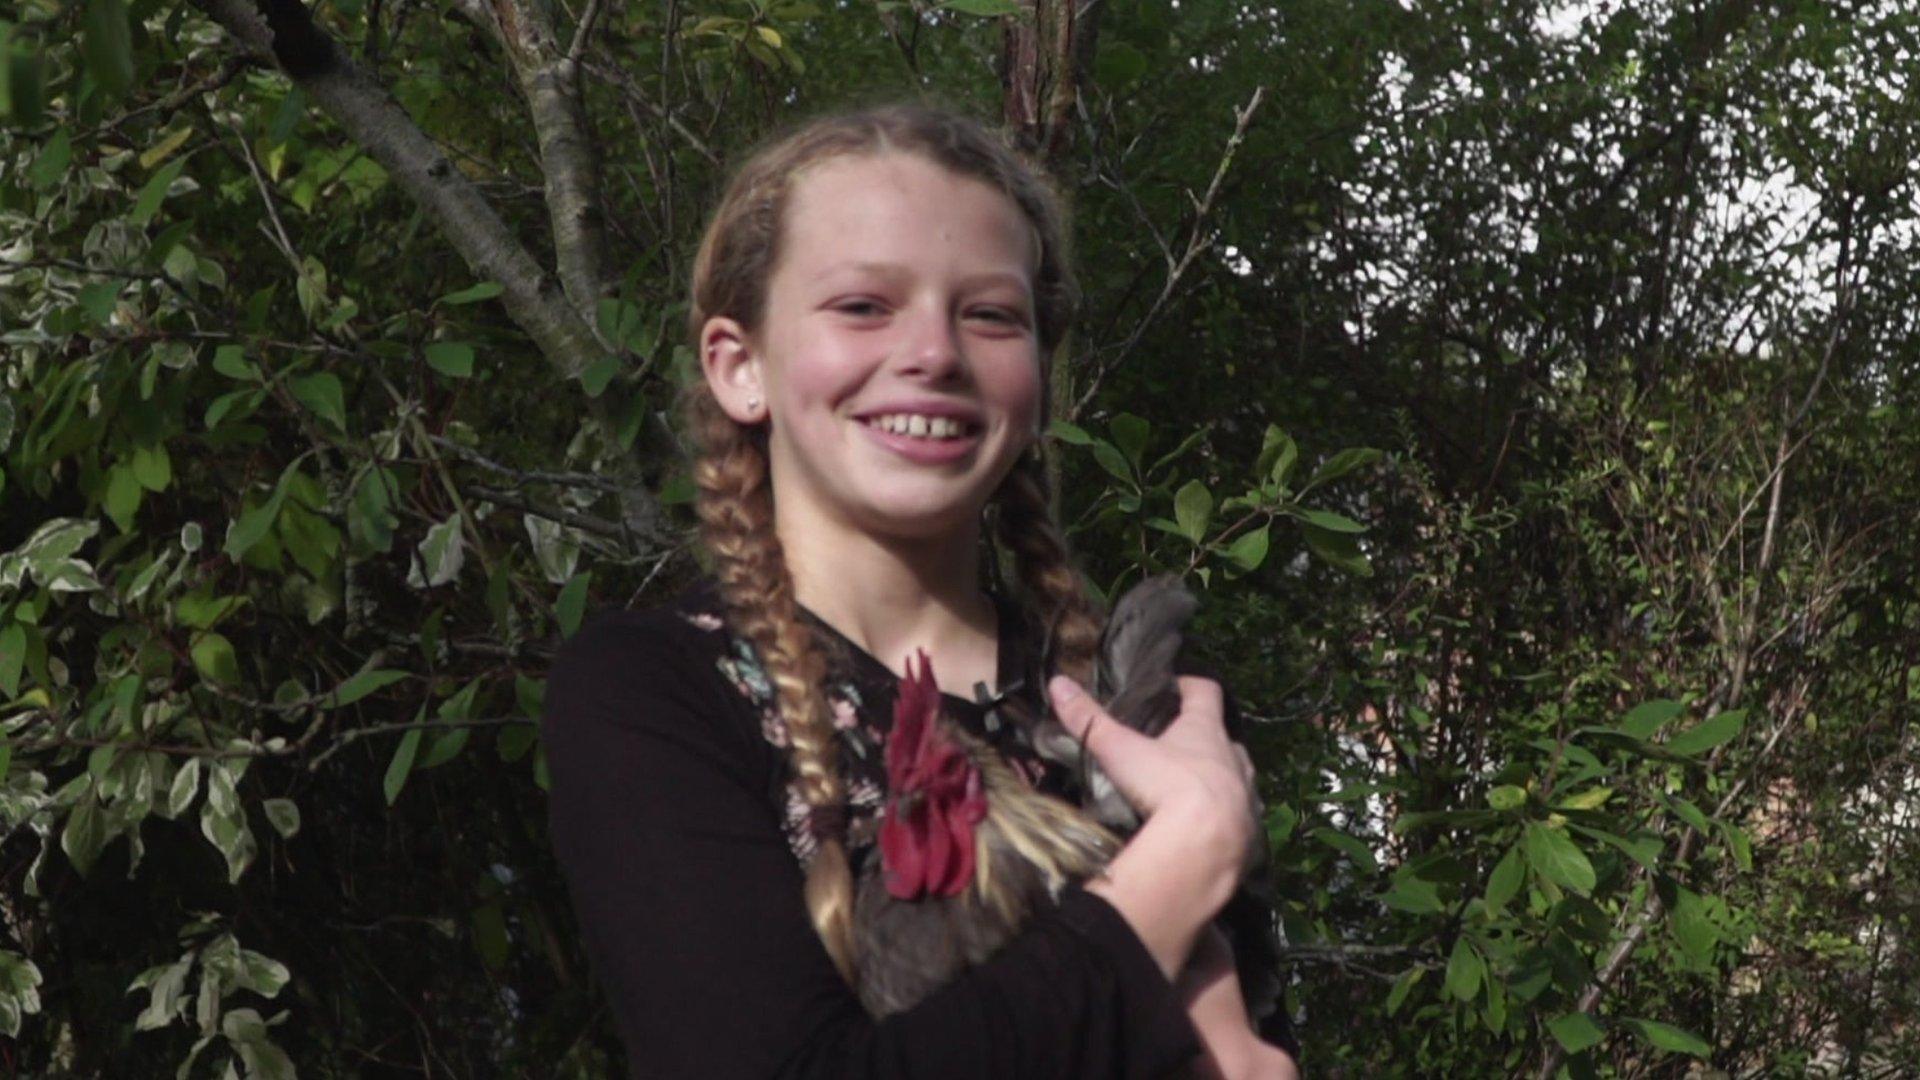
x: 734, y: 502
x: 1026, y: 525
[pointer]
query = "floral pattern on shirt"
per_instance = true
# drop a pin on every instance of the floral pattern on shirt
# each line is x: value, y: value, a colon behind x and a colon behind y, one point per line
x: 862, y: 742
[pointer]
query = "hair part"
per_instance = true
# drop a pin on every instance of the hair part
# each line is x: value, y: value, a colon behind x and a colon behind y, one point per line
x: 732, y: 273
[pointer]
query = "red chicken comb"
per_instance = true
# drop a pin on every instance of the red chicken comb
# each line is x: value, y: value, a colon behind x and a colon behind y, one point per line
x: 934, y: 796
x: 914, y: 711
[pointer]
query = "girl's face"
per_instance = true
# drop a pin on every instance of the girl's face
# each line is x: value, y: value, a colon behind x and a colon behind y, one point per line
x: 897, y: 362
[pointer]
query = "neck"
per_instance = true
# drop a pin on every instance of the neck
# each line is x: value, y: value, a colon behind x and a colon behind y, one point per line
x: 888, y: 595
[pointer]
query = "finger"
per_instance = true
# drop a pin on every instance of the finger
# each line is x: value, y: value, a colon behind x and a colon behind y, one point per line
x: 1085, y: 720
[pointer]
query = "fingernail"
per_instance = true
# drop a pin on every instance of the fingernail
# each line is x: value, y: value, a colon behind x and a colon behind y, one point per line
x: 1063, y: 688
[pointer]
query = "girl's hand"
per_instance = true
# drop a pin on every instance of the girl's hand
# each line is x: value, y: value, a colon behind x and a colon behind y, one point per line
x: 1191, y: 763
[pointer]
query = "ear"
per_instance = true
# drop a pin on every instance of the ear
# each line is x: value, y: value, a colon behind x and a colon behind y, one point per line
x: 733, y: 370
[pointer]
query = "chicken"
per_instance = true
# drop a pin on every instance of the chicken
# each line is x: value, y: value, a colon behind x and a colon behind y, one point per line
x: 969, y: 850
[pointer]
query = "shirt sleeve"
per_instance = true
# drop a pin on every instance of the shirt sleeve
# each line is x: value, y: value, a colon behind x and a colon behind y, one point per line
x: 689, y: 902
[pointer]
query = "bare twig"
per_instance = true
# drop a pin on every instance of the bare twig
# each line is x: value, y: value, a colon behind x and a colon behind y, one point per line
x: 1196, y: 243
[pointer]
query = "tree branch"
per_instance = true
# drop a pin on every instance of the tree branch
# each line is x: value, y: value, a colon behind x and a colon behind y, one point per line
x: 1196, y: 243
x: 550, y: 78
x: 283, y: 31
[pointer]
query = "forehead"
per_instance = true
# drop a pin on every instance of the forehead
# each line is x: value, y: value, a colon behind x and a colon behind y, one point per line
x: 905, y: 211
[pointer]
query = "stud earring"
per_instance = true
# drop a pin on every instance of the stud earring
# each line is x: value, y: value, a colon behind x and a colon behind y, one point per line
x: 753, y: 403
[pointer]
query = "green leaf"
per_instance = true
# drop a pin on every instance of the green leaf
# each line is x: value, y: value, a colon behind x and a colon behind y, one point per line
x: 1668, y: 1037
x: 174, y: 139
x: 253, y: 525
x: 283, y: 815
x: 1249, y: 550
x: 402, y: 763
x: 1192, y: 507
x: 1412, y: 895
x: 598, y: 374
x: 1575, y: 1031
x: 98, y: 299
x: 153, y: 468
x: 1649, y: 717
x: 1341, y: 550
x: 1692, y: 924
x: 443, y: 552
x: 122, y: 499
x: 1330, y: 521
x: 451, y: 358
x: 25, y: 89
x: 1507, y: 797
x: 231, y: 361
x: 201, y: 611
x: 1465, y: 969
x: 1112, y: 460
x: 1739, y: 844
x: 186, y: 784
x: 1644, y: 848
x: 361, y: 685
x: 322, y: 393
x: 515, y: 740
x: 1342, y: 463
x: 50, y: 165
x: 473, y: 294
x: 1070, y: 434
x: 1591, y: 799
x: 13, y: 655
x: 154, y: 192
x: 370, y: 517
x: 1277, y: 456
x: 225, y: 403
x: 1708, y: 733
x: 1352, y: 847
x: 1554, y: 856
x: 1505, y: 881
x: 572, y: 603
x: 1130, y: 435
x: 214, y: 658
x: 85, y: 833
x: 1402, y: 986
x: 445, y: 746
x: 109, y: 45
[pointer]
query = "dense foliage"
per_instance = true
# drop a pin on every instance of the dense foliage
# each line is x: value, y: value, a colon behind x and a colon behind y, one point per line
x: 1532, y: 389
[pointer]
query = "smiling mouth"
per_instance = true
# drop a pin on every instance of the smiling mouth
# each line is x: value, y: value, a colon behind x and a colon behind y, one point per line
x: 930, y: 428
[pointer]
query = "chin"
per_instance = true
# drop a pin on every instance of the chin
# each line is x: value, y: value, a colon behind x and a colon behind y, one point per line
x: 913, y: 520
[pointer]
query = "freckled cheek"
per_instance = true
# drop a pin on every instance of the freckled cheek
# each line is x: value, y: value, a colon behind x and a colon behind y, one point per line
x: 818, y: 379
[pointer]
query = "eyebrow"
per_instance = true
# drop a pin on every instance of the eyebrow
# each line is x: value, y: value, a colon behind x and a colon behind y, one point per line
x: 992, y: 277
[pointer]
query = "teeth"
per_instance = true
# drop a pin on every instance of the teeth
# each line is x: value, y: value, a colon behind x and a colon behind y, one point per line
x: 918, y: 426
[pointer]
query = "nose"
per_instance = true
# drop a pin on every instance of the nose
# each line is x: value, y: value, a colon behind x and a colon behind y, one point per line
x: 933, y: 346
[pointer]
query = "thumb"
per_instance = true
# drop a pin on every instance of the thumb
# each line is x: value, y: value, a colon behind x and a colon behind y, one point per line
x: 1084, y: 719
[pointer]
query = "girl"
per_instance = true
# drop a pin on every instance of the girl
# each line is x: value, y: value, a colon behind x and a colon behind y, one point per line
x: 876, y: 303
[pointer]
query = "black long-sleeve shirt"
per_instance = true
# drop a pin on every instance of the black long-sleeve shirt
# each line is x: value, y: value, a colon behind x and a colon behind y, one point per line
x: 681, y: 837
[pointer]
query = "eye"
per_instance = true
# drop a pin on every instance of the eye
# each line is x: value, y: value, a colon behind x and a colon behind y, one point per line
x: 859, y: 307
x: 1011, y: 318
